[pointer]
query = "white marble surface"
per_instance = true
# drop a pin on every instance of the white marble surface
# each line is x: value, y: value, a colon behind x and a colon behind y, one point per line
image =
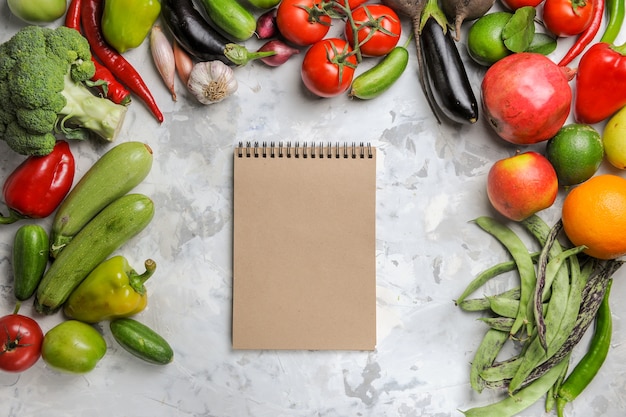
x: 430, y: 184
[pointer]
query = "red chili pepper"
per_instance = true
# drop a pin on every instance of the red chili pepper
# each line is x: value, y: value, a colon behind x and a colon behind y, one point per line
x: 103, y: 78
x: 39, y: 184
x: 600, y: 86
x: 91, y: 16
x: 587, y: 36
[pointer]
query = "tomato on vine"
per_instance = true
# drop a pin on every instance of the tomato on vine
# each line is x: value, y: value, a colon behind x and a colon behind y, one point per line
x: 20, y: 342
x: 567, y: 17
x: 516, y: 4
x: 303, y: 22
x: 378, y: 29
x: 328, y: 67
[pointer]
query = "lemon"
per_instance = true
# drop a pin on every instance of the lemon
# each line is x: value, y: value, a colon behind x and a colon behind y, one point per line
x: 614, y: 139
x: 575, y: 152
x: 484, y: 38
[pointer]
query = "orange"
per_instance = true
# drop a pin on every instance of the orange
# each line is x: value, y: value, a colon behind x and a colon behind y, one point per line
x: 594, y: 215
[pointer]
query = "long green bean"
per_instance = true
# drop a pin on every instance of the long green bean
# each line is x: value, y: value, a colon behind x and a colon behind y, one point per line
x: 485, y: 355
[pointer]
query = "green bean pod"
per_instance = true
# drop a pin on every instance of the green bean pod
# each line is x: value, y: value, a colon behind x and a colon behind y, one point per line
x: 382, y: 76
x: 588, y: 367
x: 485, y: 355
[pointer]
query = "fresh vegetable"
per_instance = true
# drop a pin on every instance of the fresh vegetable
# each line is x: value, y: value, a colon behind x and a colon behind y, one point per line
x: 266, y: 25
x: 264, y: 4
x: 521, y: 185
x: 600, y: 91
x: 183, y: 62
x: 211, y: 82
x: 588, y: 367
x: 328, y: 67
x: 516, y: 4
x: 615, y: 11
x: 378, y: 29
x: 303, y: 22
x: 199, y: 38
x: 458, y: 11
x: 110, y: 229
x: 282, y: 52
x: 20, y: 342
x: 567, y: 17
x: 42, y: 88
x: 585, y: 38
x: 103, y: 79
x: 73, y: 346
x: 446, y: 79
x: 117, y: 172
x: 91, y: 17
x: 112, y: 290
x: 126, y: 23
x: 38, y: 185
x: 523, y: 78
x: 141, y: 341
x: 231, y: 17
x: 163, y: 57
x: 37, y: 11
x: 29, y: 259
x: 382, y: 76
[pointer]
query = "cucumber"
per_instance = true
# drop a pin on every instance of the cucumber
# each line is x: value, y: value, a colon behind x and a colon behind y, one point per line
x: 110, y: 229
x: 117, y: 172
x: 381, y: 77
x: 29, y: 259
x: 141, y: 341
x: 231, y: 17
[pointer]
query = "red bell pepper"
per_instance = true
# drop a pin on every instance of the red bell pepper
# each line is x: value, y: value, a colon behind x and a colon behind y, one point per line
x: 600, y: 86
x: 39, y: 184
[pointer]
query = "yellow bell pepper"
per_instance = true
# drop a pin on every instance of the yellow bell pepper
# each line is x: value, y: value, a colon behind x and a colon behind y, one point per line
x: 112, y: 290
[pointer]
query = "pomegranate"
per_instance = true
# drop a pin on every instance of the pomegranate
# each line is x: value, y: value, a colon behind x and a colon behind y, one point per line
x: 526, y: 97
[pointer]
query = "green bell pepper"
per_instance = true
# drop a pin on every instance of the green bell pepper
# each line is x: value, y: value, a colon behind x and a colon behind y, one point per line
x: 112, y: 290
x: 126, y: 23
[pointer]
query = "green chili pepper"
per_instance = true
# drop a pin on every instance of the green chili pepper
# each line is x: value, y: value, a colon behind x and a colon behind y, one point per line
x: 112, y: 290
x: 589, y: 365
x: 615, y: 11
x: 126, y: 23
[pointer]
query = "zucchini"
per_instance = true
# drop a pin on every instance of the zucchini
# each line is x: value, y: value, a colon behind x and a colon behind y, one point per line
x: 29, y: 259
x: 111, y: 228
x: 117, y: 172
x: 141, y: 341
x: 382, y: 76
x: 231, y: 17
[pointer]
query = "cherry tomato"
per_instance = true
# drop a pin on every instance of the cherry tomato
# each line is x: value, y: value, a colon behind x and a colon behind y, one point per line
x: 567, y: 17
x: 378, y: 28
x: 516, y: 4
x: 328, y: 67
x: 20, y: 342
x: 302, y: 22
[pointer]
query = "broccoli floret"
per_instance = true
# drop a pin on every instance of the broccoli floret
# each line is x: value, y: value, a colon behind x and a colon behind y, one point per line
x: 43, y: 92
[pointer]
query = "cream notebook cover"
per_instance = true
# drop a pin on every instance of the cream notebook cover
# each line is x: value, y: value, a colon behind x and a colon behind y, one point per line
x: 304, y: 272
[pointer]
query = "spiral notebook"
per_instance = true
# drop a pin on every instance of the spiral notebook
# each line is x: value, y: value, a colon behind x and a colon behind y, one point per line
x: 304, y: 273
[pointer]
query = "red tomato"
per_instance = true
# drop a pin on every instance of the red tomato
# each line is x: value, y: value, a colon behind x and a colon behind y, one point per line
x: 516, y: 4
x: 567, y: 17
x: 378, y: 27
x: 328, y: 67
x: 302, y: 22
x: 20, y: 342
x: 352, y: 3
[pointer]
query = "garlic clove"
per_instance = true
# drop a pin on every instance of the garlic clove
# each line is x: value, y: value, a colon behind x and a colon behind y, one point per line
x: 212, y: 81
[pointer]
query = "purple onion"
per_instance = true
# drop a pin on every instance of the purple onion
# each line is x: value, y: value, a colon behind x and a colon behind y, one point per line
x: 266, y: 25
x: 283, y: 52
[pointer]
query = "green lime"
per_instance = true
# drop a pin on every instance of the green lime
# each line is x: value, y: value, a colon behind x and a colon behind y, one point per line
x: 614, y: 139
x: 484, y: 38
x: 575, y: 152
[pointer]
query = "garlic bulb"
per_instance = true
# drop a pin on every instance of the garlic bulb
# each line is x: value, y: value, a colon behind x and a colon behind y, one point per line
x: 211, y: 81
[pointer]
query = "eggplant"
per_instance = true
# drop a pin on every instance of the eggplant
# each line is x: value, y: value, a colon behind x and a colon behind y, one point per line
x: 193, y: 32
x: 447, y: 79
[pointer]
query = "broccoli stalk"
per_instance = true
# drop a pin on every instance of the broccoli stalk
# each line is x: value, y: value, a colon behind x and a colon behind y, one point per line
x: 95, y: 114
x: 43, y: 92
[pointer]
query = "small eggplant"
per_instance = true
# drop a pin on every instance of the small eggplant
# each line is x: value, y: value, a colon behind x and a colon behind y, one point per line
x: 447, y: 78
